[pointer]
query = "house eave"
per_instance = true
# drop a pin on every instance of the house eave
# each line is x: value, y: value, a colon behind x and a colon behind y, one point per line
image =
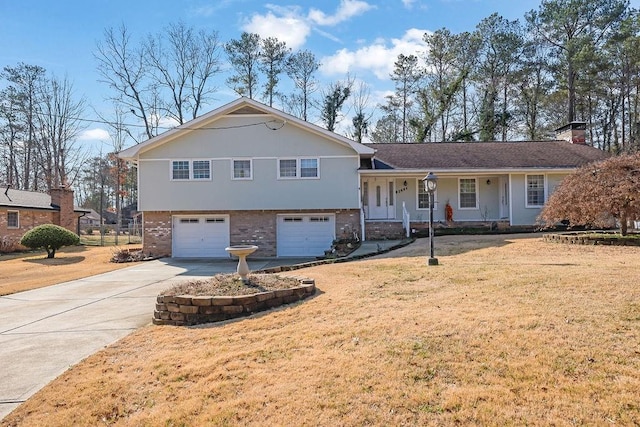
x: 463, y: 171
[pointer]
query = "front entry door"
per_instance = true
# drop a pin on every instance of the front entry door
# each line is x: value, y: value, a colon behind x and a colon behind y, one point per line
x: 380, y: 198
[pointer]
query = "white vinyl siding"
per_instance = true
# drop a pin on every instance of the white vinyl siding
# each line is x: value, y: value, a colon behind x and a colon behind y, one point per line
x: 242, y: 169
x: 13, y: 219
x: 468, y: 193
x: 535, y: 191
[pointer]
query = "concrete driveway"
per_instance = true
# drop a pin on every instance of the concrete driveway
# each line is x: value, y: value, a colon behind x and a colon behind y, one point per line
x: 45, y: 331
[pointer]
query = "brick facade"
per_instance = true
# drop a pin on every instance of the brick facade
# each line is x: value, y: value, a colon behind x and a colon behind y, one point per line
x: 27, y: 219
x: 384, y: 230
x: 245, y: 227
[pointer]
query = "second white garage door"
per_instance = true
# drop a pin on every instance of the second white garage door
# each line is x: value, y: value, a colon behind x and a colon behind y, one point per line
x: 305, y: 235
x: 200, y: 236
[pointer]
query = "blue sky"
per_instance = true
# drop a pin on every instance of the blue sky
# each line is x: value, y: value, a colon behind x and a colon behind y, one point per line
x: 360, y: 37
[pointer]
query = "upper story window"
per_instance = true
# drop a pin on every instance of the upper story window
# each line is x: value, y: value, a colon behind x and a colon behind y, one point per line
x: 468, y: 193
x: 298, y: 168
x: 242, y: 169
x: 287, y: 168
x: 423, y: 196
x: 180, y: 169
x: 13, y: 219
x: 201, y: 169
x: 535, y: 190
x: 309, y: 168
x: 183, y: 170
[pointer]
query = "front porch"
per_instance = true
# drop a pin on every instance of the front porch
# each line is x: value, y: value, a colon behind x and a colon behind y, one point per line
x: 396, y: 229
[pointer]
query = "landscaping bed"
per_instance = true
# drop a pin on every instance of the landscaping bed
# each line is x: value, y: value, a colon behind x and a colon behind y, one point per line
x: 591, y: 238
x: 225, y: 296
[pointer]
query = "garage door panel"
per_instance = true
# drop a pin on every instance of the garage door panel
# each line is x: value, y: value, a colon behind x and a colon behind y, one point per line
x: 200, y: 237
x: 305, y: 235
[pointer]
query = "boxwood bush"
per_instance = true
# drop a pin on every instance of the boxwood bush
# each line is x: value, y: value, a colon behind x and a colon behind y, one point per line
x: 50, y: 237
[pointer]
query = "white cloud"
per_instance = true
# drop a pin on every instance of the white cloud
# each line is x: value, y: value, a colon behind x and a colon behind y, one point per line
x: 377, y: 58
x: 288, y: 26
x: 94, y: 134
x: 346, y: 10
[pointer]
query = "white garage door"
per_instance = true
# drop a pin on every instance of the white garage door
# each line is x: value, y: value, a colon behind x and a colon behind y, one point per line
x: 305, y: 235
x: 200, y: 236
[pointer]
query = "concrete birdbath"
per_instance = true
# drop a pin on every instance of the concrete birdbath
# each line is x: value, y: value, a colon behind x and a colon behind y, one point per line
x: 241, y: 251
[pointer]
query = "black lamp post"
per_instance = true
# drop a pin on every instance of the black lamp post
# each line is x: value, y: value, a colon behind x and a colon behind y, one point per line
x: 430, y: 184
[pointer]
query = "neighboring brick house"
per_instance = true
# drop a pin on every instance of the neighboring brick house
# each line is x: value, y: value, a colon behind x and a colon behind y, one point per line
x: 21, y: 210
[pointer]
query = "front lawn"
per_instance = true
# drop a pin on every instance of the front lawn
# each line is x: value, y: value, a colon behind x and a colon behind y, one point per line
x: 507, y: 330
x: 30, y: 270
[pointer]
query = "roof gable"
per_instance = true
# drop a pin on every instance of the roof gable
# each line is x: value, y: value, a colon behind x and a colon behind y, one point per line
x: 241, y: 107
x: 486, y: 155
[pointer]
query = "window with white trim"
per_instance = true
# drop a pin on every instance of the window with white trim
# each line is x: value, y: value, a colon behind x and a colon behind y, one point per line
x: 287, y: 168
x: 535, y: 190
x: 185, y: 170
x: 309, y: 168
x: 468, y: 193
x: 423, y: 196
x: 13, y: 219
x: 180, y: 170
x: 298, y: 168
x: 242, y: 169
x: 201, y: 169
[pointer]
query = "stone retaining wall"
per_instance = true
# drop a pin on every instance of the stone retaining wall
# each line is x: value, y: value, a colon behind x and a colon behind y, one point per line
x: 581, y: 239
x: 186, y: 310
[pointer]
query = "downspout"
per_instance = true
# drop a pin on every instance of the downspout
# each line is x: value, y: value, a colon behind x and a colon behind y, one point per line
x: 78, y: 223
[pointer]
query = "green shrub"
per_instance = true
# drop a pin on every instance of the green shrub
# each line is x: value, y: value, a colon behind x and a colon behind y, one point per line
x: 50, y: 237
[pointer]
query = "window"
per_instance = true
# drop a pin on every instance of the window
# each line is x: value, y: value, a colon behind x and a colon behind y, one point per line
x: 242, y: 169
x: 184, y: 170
x: 308, y: 168
x: 13, y: 219
x: 288, y: 168
x: 423, y: 196
x: 391, y: 193
x: 180, y: 169
x: 365, y: 193
x: 298, y: 168
x: 468, y: 193
x: 535, y: 190
x: 201, y: 169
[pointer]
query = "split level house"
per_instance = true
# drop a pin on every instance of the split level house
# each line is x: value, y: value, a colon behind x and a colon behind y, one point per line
x: 246, y: 173
x: 20, y: 211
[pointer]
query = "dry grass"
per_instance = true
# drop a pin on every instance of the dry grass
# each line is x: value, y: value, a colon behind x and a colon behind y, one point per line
x: 21, y: 272
x: 506, y: 331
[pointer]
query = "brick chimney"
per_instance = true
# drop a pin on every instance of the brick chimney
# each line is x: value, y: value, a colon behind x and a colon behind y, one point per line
x: 62, y: 199
x: 574, y: 132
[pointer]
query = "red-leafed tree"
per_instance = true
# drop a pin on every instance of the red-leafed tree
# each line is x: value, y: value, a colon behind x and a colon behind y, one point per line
x: 598, y: 194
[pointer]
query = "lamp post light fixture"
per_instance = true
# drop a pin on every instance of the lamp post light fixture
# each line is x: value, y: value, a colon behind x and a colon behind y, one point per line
x: 430, y: 184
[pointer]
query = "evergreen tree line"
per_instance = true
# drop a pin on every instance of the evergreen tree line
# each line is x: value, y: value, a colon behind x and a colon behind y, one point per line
x: 569, y: 60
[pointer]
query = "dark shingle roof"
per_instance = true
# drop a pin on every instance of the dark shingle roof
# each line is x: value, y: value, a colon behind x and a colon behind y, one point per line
x: 25, y: 199
x: 486, y: 155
